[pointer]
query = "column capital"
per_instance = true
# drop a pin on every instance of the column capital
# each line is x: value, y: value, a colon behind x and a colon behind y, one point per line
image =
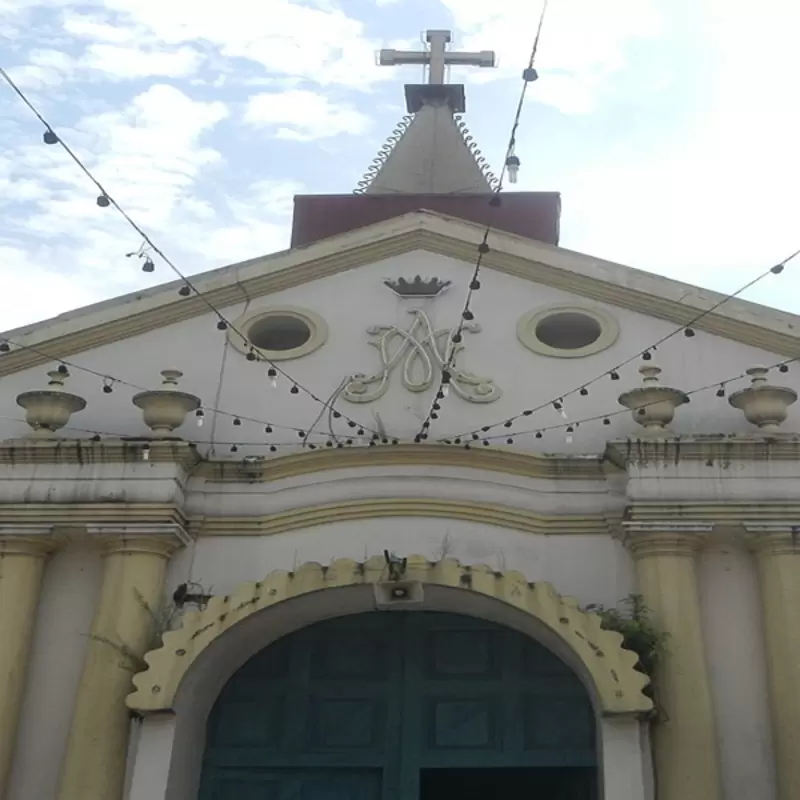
x: 28, y: 540
x: 161, y: 539
x: 667, y: 538
x: 773, y: 538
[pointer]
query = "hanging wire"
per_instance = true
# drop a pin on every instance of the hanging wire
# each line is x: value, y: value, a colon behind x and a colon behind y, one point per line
x: 613, y: 372
x: 351, y: 442
x: 105, y: 199
x: 509, y: 162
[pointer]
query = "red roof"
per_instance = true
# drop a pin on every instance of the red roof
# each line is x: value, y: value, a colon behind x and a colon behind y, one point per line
x: 534, y: 215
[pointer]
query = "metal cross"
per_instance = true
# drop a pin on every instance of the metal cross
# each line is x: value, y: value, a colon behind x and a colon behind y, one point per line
x: 437, y: 57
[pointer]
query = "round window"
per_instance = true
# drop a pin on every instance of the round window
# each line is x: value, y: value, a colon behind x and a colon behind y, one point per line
x: 281, y: 332
x: 567, y: 331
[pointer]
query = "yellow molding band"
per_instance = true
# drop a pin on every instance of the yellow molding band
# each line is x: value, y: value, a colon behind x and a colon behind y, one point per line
x: 530, y: 465
x: 78, y: 515
x: 485, y: 513
x: 112, y: 451
x: 618, y: 685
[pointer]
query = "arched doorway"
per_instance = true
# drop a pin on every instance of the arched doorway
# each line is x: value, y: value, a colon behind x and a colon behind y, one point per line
x: 401, y: 706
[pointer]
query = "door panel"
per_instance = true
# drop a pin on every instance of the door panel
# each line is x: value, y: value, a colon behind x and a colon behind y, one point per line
x: 354, y: 709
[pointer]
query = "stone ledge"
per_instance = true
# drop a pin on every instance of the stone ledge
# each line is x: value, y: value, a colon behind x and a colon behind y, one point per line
x: 724, y: 448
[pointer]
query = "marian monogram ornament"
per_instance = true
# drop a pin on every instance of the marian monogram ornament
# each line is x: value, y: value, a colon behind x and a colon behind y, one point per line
x: 419, y: 352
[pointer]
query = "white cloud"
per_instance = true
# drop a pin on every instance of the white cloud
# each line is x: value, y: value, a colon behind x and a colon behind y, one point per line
x: 320, y: 44
x: 121, y: 62
x: 304, y: 115
x: 582, y: 44
x: 151, y: 158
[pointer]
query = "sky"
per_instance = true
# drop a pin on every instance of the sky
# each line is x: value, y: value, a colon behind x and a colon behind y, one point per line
x: 670, y: 127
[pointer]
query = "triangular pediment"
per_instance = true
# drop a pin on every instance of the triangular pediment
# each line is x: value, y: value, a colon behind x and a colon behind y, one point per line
x: 582, y: 275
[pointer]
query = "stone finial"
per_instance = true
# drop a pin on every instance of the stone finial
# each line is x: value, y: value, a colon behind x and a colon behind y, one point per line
x: 764, y: 405
x: 653, y: 405
x: 49, y: 409
x: 166, y: 409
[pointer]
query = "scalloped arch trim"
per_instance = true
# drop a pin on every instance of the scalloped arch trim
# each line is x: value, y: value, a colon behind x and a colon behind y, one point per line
x: 618, y: 685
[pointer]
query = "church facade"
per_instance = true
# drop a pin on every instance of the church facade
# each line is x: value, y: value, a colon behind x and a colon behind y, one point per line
x: 312, y: 526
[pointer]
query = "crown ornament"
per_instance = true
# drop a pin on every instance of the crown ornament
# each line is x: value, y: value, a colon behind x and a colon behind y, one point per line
x: 418, y: 287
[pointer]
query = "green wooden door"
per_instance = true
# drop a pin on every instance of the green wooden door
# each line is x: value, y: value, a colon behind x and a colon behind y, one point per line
x: 376, y: 706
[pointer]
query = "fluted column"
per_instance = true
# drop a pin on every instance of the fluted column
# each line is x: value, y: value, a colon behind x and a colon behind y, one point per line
x: 122, y: 631
x: 778, y: 554
x: 23, y: 550
x: 685, y: 743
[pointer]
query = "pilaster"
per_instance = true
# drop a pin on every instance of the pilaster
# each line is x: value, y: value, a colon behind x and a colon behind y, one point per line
x: 23, y: 550
x: 685, y: 743
x: 777, y: 548
x: 136, y: 559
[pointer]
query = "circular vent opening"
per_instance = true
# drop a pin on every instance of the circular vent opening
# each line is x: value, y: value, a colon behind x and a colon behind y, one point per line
x: 568, y: 330
x: 279, y: 332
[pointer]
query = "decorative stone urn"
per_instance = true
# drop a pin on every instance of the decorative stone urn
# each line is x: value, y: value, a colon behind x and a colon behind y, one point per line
x: 764, y: 405
x: 653, y: 405
x: 166, y: 409
x: 50, y: 409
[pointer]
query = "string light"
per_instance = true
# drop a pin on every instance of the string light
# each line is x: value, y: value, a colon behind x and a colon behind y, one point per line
x: 606, y: 418
x: 529, y: 75
x: 510, y: 166
x: 568, y: 428
x: 774, y: 270
x: 105, y: 200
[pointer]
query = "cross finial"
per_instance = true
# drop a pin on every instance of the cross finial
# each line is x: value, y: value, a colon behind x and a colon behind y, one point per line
x: 437, y: 57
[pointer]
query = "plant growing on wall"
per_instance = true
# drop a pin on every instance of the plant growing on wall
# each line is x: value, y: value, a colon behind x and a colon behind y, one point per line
x: 632, y: 619
x: 162, y: 619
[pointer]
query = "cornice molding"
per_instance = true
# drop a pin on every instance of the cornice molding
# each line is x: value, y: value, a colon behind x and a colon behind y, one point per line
x: 676, y: 543
x: 348, y: 511
x: 722, y: 514
x: 776, y: 539
x: 718, y: 448
x: 154, y: 538
x: 106, y: 451
x: 293, y: 268
x: 111, y: 451
x: 530, y: 465
x: 28, y: 540
x: 665, y: 537
x: 74, y: 518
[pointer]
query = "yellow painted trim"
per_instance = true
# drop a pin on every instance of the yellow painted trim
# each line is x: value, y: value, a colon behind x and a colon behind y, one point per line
x: 617, y: 683
x: 529, y: 465
x: 685, y: 743
x: 71, y: 519
x: 133, y: 584
x: 350, y: 510
x: 82, y: 451
x: 778, y: 558
x: 428, y: 232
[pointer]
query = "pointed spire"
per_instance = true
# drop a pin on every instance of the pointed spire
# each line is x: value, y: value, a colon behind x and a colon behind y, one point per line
x: 431, y: 153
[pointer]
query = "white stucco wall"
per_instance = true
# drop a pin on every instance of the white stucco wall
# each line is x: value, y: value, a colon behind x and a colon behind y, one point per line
x: 595, y: 569
x: 353, y: 301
